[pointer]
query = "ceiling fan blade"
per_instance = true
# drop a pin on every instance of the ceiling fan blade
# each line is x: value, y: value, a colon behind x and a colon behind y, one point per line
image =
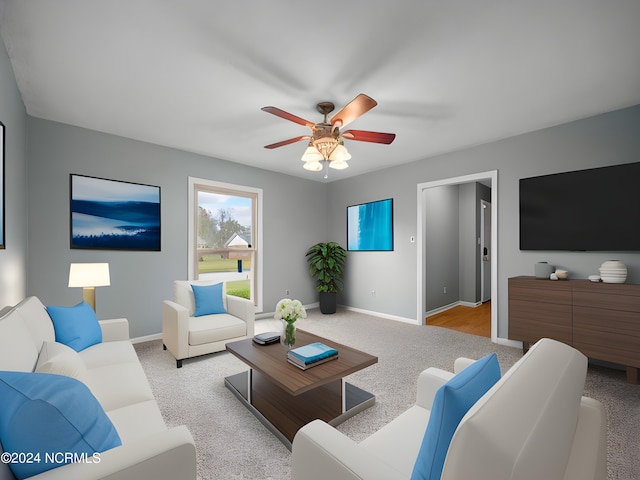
x: 366, y: 136
x: 287, y: 116
x: 287, y: 142
x: 356, y: 107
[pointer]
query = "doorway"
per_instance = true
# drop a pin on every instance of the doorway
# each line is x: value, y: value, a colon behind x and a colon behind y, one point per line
x: 487, y: 275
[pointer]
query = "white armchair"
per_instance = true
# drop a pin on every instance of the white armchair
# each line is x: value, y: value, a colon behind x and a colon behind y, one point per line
x: 533, y: 423
x: 186, y: 335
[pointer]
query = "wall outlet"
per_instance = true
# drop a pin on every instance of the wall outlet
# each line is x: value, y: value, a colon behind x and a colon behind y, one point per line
x: 373, y: 293
x: 286, y: 292
x: 444, y: 290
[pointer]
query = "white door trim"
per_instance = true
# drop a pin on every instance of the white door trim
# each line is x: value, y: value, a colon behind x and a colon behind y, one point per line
x: 421, y: 261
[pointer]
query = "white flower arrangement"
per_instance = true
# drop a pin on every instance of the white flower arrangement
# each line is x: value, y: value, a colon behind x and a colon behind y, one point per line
x: 289, y: 310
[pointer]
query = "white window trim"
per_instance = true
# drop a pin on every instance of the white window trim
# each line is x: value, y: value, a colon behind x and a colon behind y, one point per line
x: 193, y: 181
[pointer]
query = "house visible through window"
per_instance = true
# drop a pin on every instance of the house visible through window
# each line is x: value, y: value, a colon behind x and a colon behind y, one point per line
x: 224, y: 237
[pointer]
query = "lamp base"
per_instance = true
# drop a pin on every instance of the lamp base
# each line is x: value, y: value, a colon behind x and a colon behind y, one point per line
x: 89, y: 296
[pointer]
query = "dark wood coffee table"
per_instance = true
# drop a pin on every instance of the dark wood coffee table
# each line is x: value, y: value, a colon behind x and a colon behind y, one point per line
x: 285, y: 398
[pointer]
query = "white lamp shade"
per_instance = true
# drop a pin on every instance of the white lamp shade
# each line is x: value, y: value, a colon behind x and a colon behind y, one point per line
x: 89, y: 275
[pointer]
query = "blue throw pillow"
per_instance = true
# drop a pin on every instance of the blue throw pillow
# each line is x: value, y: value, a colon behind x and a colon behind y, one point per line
x: 50, y: 420
x: 77, y: 327
x: 451, y: 403
x: 208, y: 299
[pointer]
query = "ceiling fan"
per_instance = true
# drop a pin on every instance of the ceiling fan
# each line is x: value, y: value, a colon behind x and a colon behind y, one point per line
x: 326, y: 142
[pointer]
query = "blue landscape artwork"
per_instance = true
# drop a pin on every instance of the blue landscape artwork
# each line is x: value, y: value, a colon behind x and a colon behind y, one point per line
x: 370, y: 226
x: 114, y: 215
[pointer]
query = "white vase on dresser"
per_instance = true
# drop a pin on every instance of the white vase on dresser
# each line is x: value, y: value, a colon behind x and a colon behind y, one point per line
x: 613, y: 271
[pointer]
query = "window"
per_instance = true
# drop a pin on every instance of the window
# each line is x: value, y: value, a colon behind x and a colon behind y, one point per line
x: 225, y: 236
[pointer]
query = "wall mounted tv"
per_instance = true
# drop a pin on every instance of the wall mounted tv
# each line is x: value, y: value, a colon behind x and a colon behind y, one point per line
x: 585, y: 210
x: 370, y: 226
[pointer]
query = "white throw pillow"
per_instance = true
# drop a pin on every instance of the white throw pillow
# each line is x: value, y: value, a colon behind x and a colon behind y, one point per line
x: 59, y: 359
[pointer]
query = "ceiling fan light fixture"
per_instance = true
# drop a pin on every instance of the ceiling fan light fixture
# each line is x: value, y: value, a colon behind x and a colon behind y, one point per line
x: 326, y: 146
x: 339, y: 164
x: 340, y: 154
x: 313, y: 166
x: 311, y: 154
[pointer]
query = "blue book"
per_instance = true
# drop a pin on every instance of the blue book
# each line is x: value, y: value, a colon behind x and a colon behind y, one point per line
x: 313, y: 352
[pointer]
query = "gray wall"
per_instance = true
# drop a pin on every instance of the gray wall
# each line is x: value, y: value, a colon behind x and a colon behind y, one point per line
x: 13, y: 259
x: 468, y: 242
x: 606, y: 139
x: 293, y: 219
x: 442, y: 246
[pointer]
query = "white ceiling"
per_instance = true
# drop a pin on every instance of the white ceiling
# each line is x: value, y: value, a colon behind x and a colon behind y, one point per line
x: 193, y: 74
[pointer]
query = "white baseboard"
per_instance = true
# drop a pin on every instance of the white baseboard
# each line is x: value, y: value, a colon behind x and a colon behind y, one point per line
x: 508, y: 343
x: 397, y: 318
x: 147, y: 338
x: 459, y: 303
x: 263, y: 315
x: 444, y: 308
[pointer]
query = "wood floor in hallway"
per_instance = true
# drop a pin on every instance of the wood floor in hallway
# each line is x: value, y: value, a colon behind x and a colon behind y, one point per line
x: 474, y: 320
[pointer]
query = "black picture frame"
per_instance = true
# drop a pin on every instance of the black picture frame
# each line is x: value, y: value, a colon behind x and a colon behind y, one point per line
x: 113, y: 214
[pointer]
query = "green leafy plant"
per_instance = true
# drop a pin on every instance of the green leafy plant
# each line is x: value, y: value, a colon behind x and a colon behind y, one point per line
x: 325, y: 262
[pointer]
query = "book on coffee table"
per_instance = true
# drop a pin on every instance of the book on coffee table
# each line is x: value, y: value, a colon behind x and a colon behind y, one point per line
x: 311, y: 355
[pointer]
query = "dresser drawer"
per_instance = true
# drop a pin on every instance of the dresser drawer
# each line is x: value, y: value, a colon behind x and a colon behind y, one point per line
x: 606, y: 301
x: 610, y: 335
x: 530, y: 321
x: 540, y: 291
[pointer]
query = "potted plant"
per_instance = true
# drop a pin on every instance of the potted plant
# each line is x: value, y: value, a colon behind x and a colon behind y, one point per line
x: 325, y: 262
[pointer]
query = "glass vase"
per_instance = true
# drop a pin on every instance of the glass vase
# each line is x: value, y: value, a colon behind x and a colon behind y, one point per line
x: 289, y: 337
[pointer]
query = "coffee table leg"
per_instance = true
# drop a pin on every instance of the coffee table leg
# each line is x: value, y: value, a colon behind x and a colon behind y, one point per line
x: 284, y: 414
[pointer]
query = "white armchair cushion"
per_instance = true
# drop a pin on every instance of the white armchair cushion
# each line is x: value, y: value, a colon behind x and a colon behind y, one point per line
x: 59, y: 359
x: 398, y: 442
x: 215, y: 328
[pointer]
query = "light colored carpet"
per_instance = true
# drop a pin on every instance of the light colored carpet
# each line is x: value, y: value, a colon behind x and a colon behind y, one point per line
x: 232, y: 444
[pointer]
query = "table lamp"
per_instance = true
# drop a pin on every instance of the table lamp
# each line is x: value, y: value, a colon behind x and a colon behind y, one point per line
x: 88, y: 276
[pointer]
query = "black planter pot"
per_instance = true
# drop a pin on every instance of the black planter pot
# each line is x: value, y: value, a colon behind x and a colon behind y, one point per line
x: 328, y: 302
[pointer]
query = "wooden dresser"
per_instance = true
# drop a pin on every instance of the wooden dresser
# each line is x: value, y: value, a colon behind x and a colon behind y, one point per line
x: 602, y: 320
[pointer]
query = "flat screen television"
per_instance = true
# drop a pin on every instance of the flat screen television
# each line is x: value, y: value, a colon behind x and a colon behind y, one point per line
x: 370, y: 226
x: 585, y: 210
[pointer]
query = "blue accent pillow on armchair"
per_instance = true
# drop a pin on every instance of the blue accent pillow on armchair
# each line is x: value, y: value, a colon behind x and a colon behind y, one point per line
x: 77, y: 327
x: 42, y: 414
x: 452, y: 401
x: 208, y: 299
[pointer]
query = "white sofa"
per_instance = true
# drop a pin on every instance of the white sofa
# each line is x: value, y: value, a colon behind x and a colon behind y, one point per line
x: 533, y: 424
x: 186, y: 336
x: 115, y: 376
